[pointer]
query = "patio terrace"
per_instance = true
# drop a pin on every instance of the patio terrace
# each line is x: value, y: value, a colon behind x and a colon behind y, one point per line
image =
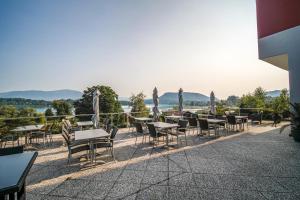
x: 256, y: 164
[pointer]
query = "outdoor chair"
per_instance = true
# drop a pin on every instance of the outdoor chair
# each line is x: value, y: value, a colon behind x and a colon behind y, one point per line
x: 169, y: 120
x: 256, y: 117
x: 108, y: 144
x: 69, y: 126
x: 233, y: 122
x: 9, y: 138
x: 131, y: 121
x: 162, y: 118
x: 193, y: 124
x: 139, y: 131
x: 222, y: 124
x: 74, y: 147
x: 205, y: 126
x: 108, y: 128
x: 11, y: 150
x: 45, y: 133
x: 181, y: 130
x: 155, y: 134
x: 106, y: 123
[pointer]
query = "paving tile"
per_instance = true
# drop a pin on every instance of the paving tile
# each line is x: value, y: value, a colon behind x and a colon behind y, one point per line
x: 181, y: 179
x: 153, y: 192
x: 141, y: 165
x: 131, y: 176
x: 267, y: 184
x: 208, y: 181
x: 33, y: 196
x: 95, y: 190
x: 45, y: 187
x: 279, y: 196
x: 123, y: 189
x: 183, y: 193
x: 50, y: 197
x: 215, y: 194
x: 291, y: 184
x: 109, y: 175
x: 246, y: 195
x: 70, y: 188
x: 234, y: 182
x: 153, y: 177
x: 155, y: 165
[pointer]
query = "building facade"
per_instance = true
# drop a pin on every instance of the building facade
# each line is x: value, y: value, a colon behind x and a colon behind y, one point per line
x: 278, y: 26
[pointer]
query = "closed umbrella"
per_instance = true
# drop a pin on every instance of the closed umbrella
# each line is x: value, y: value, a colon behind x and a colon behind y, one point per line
x: 212, y: 103
x: 96, y: 117
x: 180, y: 101
x: 155, y: 102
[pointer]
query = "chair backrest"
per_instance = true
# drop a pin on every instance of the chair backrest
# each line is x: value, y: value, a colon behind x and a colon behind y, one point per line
x: 231, y: 119
x: 162, y: 118
x: 108, y: 128
x: 203, y: 123
x: 139, y: 127
x: 11, y: 150
x: 192, y: 121
x: 107, y: 122
x: 170, y: 121
x: 152, y: 130
x: 220, y: 117
x: 68, y: 123
x: 182, y: 125
x: 114, y: 133
x: 131, y: 120
x: 65, y: 133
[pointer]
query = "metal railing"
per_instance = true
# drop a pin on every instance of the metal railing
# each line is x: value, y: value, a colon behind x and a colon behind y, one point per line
x: 120, y: 119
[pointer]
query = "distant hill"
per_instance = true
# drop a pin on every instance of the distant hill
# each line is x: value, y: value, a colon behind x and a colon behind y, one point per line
x: 172, y: 98
x: 274, y: 93
x: 43, y: 95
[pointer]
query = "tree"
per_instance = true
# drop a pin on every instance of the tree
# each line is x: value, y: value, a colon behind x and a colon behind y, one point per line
x: 281, y: 104
x: 260, y: 97
x: 49, y: 112
x: 108, y: 103
x: 233, y: 100
x: 138, y: 105
x: 62, y: 107
x: 11, y: 117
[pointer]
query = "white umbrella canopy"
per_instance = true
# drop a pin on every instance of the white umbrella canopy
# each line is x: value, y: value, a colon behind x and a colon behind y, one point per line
x: 155, y: 102
x: 96, y: 117
x: 212, y: 103
x: 180, y: 101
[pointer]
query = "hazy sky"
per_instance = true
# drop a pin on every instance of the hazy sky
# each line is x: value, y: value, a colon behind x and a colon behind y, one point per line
x: 133, y: 45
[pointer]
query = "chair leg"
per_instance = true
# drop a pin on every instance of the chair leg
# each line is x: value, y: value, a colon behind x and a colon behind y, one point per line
x: 135, y: 139
x: 185, y: 139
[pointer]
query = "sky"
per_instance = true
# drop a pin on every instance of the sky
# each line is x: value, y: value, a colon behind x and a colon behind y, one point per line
x: 133, y: 46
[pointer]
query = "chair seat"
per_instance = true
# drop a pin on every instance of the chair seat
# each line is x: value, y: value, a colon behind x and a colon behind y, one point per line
x: 38, y: 134
x: 79, y: 148
x: 177, y: 133
x: 103, y: 145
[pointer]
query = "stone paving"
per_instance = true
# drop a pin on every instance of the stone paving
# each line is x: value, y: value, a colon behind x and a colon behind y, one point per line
x: 256, y: 164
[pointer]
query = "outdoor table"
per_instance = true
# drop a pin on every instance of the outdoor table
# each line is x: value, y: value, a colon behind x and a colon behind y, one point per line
x: 84, y: 124
x: 239, y: 117
x: 13, y: 172
x: 143, y: 119
x: 164, y: 125
x: 216, y: 121
x: 27, y: 130
x: 205, y: 115
x: 91, y: 136
x: 173, y: 117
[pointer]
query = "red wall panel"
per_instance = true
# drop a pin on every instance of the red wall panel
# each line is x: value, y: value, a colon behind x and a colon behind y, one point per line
x: 276, y: 15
